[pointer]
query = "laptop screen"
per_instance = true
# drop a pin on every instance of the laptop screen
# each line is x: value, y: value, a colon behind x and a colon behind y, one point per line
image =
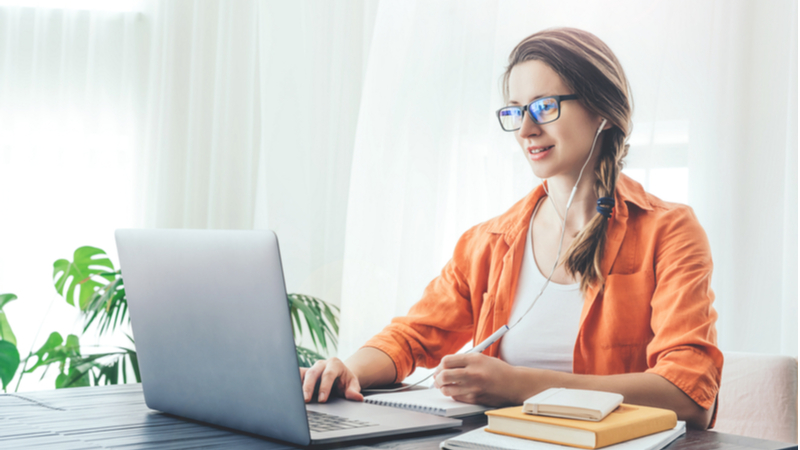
x: 210, y: 317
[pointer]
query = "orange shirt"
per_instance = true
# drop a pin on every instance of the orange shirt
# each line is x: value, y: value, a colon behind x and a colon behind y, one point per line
x: 652, y: 314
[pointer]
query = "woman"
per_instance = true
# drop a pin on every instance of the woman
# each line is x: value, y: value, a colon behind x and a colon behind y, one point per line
x: 628, y: 305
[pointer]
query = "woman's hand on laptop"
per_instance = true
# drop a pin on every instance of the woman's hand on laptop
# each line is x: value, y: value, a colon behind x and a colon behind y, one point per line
x: 333, y: 376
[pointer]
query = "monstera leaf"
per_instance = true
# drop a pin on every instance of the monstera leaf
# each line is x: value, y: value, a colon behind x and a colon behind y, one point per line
x: 64, y: 353
x: 56, y: 350
x: 9, y: 355
x: 5, y: 329
x: 77, y: 369
x: 89, y: 264
x: 99, y: 369
x: 9, y: 361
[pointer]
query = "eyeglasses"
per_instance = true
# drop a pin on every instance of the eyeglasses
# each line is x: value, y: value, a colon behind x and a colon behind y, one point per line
x: 542, y: 110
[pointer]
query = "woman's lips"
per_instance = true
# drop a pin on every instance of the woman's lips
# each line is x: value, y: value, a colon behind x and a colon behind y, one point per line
x: 537, y: 153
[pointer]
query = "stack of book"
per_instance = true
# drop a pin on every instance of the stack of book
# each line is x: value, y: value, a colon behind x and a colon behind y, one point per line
x: 576, y: 418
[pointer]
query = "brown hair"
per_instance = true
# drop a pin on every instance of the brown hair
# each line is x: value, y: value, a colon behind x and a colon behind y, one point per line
x: 590, y: 69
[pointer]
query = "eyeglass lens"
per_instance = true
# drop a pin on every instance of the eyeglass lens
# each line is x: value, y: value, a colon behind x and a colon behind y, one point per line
x: 543, y: 110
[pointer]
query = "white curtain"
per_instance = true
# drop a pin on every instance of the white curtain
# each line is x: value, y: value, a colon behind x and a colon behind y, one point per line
x: 199, y: 158
x: 173, y: 114
x: 743, y: 166
x: 69, y: 111
x: 715, y: 125
x: 312, y: 58
x: 251, y: 123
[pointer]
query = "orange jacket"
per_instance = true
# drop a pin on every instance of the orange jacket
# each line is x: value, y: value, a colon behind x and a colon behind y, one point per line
x: 652, y: 314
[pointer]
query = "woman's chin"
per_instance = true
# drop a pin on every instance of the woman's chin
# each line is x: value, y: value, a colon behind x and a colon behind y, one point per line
x: 539, y: 171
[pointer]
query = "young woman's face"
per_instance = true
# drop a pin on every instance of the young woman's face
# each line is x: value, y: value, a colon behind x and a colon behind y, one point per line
x: 560, y: 147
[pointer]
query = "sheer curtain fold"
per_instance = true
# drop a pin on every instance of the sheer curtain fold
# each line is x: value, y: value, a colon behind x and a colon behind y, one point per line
x: 202, y: 136
x: 743, y: 183
x: 311, y: 56
x: 789, y: 275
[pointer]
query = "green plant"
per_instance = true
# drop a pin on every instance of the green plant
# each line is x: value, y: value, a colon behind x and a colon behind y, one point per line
x: 322, y: 324
x: 9, y: 355
x: 90, y: 283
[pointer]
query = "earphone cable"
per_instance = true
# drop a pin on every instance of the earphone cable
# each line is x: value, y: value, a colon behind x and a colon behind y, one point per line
x: 563, y: 228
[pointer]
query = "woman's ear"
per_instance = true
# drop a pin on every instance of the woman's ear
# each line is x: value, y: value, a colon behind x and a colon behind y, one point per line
x: 607, y: 125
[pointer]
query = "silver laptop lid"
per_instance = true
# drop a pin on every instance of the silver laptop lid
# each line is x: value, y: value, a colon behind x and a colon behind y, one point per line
x: 210, y: 317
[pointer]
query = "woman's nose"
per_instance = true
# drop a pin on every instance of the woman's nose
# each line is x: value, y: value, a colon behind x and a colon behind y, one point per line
x: 529, y: 127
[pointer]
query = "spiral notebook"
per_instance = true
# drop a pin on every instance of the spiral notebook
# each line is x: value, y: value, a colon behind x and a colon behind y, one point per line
x: 430, y: 401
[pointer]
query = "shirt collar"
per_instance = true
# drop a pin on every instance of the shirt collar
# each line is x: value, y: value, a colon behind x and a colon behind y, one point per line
x: 516, y: 219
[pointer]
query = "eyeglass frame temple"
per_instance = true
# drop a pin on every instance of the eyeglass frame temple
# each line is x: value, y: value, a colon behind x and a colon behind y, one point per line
x: 558, y: 98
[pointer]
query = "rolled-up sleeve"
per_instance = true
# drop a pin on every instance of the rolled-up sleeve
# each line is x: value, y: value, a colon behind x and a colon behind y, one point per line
x: 684, y: 346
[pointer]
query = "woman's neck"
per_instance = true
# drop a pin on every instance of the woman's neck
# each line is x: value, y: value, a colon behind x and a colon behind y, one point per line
x: 584, y: 203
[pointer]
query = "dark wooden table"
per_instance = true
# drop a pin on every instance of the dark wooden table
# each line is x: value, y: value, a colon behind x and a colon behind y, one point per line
x: 116, y: 417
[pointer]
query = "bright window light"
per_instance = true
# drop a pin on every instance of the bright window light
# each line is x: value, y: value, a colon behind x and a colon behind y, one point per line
x: 670, y: 184
x: 639, y: 175
x: 90, y: 5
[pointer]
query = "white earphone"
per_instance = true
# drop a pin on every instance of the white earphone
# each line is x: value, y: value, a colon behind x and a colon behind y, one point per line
x: 563, y: 229
x: 569, y: 203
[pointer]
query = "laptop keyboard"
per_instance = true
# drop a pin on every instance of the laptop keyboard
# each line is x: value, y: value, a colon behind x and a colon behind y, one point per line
x: 321, y: 422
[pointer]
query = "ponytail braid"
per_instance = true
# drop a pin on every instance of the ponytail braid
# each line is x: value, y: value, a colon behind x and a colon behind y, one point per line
x: 586, y: 252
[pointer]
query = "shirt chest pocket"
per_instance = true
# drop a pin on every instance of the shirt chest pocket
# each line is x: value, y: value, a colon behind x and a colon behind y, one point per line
x: 626, y: 308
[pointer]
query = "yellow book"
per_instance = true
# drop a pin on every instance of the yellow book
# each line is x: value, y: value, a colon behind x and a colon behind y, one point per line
x: 624, y: 423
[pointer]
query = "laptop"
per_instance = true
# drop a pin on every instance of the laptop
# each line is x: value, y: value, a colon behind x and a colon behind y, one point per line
x: 210, y: 316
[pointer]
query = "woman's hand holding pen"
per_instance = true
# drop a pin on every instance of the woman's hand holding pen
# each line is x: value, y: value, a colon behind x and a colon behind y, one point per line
x: 477, y: 378
x: 333, y: 376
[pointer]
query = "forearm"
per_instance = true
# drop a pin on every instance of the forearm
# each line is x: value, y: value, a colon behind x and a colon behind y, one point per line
x: 645, y: 389
x: 372, y: 367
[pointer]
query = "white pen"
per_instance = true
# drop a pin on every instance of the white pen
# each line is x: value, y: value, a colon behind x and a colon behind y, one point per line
x: 477, y: 349
x: 489, y: 341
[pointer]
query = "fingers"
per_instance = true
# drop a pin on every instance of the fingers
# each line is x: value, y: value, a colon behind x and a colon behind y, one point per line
x: 466, y: 391
x: 466, y: 398
x: 456, y: 361
x: 324, y: 376
x: 451, y: 376
x: 474, y: 378
x: 310, y: 377
x: 457, y: 391
x: 331, y: 373
x: 353, y: 390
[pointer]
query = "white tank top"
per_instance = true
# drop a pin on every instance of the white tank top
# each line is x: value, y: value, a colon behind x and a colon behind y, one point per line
x: 546, y: 337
